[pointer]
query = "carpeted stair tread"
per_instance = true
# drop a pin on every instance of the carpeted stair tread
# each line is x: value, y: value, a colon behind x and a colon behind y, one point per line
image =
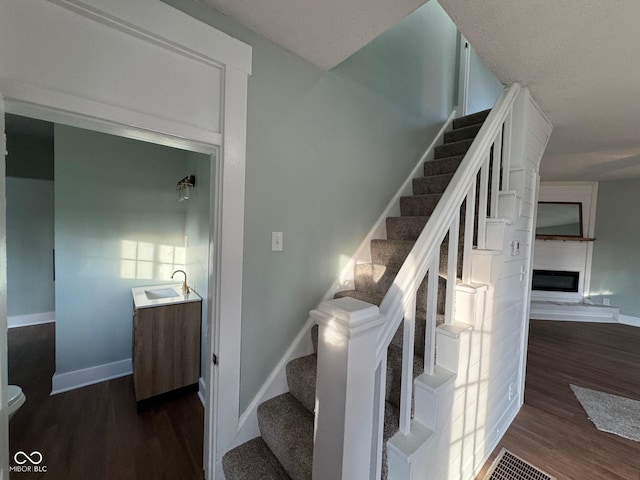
x: 419, y: 334
x: 301, y: 378
x: 408, y: 227
x: 471, y: 119
x: 390, y: 252
x: 360, y: 295
x: 452, y: 149
x: 286, y: 427
x: 421, y: 205
x: 462, y: 133
x: 442, y: 166
x: 431, y: 184
x: 253, y: 460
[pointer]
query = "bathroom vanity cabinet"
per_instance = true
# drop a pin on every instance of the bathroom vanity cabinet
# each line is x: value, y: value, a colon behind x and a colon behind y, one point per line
x: 166, y: 347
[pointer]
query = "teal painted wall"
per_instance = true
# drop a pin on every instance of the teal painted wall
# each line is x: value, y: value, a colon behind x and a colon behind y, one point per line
x: 30, y: 285
x: 325, y: 153
x: 616, y: 257
x: 484, y: 86
x: 118, y: 225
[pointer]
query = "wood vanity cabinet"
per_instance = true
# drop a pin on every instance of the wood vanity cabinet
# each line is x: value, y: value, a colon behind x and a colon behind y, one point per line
x: 166, y: 348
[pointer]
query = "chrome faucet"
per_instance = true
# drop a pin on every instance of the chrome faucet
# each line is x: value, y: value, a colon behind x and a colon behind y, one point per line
x: 185, y: 287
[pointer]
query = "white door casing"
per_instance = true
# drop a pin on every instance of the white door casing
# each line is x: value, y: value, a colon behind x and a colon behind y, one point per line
x: 4, y: 418
x: 146, y: 71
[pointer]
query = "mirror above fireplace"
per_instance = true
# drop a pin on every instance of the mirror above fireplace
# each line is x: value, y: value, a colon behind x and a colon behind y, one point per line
x: 559, y: 220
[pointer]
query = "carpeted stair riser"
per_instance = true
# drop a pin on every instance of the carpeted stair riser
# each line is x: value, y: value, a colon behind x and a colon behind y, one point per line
x: 419, y: 333
x: 442, y: 166
x: 420, y: 205
x: 394, y: 373
x: 390, y: 252
x: 432, y: 184
x: 463, y: 133
x: 301, y: 379
x: 405, y: 228
x: 472, y: 119
x: 374, y: 278
x: 452, y: 149
x: 263, y: 465
x: 287, y: 429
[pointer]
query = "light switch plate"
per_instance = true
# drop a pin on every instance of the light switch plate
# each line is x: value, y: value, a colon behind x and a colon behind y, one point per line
x: 276, y: 241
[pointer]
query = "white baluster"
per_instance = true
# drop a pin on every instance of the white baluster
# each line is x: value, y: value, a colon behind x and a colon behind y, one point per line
x: 452, y: 268
x: 406, y: 387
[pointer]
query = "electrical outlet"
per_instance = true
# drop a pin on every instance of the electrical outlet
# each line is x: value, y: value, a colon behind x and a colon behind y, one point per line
x: 606, y: 301
x: 511, y: 391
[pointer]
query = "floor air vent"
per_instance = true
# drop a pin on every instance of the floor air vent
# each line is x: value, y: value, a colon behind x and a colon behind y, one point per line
x: 509, y: 467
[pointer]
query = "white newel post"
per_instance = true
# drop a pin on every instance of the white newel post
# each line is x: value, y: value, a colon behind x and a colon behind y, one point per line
x: 345, y: 389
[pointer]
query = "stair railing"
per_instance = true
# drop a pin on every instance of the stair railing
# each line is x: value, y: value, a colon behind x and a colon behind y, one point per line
x: 350, y: 376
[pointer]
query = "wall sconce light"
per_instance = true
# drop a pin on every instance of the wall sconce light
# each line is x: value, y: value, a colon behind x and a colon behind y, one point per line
x: 184, y: 186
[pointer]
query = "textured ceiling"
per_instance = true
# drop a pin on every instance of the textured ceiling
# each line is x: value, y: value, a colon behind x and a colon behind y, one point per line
x: 578, y: 59
x: 325, y: 32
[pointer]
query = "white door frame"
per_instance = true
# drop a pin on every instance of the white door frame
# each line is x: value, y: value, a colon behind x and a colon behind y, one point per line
x: 153, y: 22
x: 464, y: 66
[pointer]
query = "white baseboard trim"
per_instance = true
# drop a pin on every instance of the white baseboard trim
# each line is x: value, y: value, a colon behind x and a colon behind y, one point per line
x: 202, y: 389
x: 31, y: 319
x: 629, y: 320
x: 64, y: 382
x: 573, y: 312
x: 276, y: 384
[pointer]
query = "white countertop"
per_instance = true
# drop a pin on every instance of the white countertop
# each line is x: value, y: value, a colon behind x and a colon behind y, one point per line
x: 163, y: 294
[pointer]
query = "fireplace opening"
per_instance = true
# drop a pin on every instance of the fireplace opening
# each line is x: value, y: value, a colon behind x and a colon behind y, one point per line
x: 555, y: 281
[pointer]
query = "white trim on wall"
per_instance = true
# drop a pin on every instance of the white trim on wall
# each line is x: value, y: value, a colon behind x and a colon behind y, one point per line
x: 17, y: 321
x: 629, y: 320
x: 63, y: 382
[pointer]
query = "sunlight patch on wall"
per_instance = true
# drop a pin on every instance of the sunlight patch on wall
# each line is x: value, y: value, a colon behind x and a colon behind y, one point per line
x: 149, y: 261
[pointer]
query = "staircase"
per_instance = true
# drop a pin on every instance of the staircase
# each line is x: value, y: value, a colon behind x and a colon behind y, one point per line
x: 286, y: 422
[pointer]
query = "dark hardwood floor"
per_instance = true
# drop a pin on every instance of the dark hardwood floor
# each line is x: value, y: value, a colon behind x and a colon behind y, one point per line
x: 96, y: 432
x: 552, y: 430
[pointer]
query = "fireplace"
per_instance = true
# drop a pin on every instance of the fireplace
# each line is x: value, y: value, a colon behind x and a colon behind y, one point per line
x: 555, y: 281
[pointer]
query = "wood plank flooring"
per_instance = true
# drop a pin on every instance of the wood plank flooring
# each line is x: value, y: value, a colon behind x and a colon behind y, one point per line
x: 96, y: 432
x: 552, y: 430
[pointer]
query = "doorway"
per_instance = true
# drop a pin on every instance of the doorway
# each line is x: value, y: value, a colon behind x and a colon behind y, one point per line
x: 111, y: 193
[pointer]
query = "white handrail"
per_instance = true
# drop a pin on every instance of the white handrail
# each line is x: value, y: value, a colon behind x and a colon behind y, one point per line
x: 428, y: 243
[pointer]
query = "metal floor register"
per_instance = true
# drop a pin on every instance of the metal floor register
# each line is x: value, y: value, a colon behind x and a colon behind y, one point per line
x: 507, y: 466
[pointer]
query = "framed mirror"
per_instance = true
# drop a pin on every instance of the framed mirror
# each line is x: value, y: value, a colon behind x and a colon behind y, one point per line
x: 559, y: 219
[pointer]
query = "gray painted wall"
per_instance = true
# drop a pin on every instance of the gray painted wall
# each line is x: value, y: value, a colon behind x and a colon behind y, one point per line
x: 484, y: 86
x: 325, y: 153
x: 118, y: 225
x: 30, y: 285
x: 616, y: 256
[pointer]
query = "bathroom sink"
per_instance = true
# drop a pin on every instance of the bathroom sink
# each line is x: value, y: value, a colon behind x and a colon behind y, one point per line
x: 161, y: 293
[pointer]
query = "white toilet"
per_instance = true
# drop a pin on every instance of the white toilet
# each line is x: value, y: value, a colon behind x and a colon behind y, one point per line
x: 16, y: 399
